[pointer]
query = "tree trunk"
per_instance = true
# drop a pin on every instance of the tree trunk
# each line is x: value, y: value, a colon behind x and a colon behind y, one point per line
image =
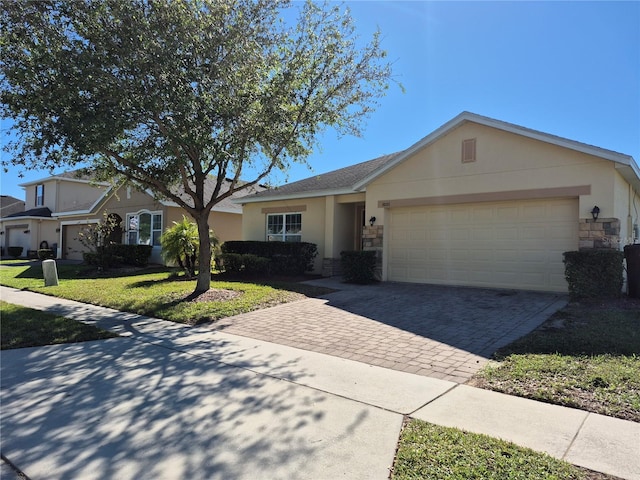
x: 204, y: 255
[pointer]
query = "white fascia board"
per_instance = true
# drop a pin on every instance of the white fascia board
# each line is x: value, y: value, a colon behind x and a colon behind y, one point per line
x: 295, y: 196
x: 171, y: 203
x: 616, y: 157
x: 66, y: 179
x: 631, y: 173
x: 226, y: 210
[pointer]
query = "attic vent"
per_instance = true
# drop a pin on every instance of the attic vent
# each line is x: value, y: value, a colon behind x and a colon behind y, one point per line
x: 469, y: 150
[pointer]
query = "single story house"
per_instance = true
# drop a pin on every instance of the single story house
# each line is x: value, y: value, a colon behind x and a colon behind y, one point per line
x: 477, y: 202
x: 59, y: 207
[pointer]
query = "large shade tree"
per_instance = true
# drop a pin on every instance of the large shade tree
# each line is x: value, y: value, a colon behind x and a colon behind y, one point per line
x: 171, y: 94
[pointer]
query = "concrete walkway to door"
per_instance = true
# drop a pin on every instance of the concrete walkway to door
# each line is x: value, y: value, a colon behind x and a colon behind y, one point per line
x: 442, y: 332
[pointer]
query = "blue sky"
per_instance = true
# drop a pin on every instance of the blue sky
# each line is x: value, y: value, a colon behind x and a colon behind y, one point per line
x: 567, y: 68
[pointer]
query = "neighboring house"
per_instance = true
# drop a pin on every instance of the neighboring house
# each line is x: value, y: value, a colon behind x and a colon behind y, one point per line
x: 477, y: 202
x: 10, y: 205
x: 61, y: 206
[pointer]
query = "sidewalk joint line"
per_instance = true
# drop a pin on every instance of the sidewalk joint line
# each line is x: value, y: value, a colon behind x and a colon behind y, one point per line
x: 434, y: 399
x: 576, y: 435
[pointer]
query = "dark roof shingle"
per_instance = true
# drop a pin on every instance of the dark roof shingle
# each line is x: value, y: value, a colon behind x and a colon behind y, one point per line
x: 341, y: 179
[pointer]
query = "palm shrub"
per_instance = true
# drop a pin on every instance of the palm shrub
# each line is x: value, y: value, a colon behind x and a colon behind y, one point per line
x: 180, y: 245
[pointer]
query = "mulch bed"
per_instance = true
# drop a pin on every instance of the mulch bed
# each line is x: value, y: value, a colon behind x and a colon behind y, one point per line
x: 214, y: 295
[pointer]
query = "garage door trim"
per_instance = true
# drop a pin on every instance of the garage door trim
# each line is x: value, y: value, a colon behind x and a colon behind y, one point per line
x: 531, y: 194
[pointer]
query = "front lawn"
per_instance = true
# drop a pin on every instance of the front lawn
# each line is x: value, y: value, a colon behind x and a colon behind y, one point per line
x: 428, y: 451
x: 25, y: 327
x: 586, y: 356
x: 156, y: 292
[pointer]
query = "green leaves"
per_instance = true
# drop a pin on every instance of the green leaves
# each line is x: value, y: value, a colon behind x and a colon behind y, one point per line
x: 166, y: 93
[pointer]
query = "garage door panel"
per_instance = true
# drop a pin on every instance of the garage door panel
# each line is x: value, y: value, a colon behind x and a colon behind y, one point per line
x: 499, y: 244
x: 507, y: 214
x: 416, y: 255
x: 534, y: 212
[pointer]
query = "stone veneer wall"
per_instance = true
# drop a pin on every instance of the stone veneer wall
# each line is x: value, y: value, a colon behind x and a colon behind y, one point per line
x: 601, y: 233
x: 372, y: 240
x: 331, y: 267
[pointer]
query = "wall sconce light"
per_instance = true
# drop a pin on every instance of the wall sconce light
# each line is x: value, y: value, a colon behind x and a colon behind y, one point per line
x: 27, y: 231
x: 372, y: 220
x: 595, y: 212
x: 57, y: 230
x: 2, y: 233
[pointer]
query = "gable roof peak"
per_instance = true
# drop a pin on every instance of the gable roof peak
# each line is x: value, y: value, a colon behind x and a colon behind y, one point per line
x: 621, y: 159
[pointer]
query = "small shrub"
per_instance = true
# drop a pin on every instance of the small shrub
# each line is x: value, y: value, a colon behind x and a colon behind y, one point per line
x: 359, y: 266
x: 45, y: 254
x: 594, y: 273
x: 14, y: 252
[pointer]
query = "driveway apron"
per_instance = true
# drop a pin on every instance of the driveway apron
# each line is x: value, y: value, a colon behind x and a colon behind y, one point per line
x: 442, y: 332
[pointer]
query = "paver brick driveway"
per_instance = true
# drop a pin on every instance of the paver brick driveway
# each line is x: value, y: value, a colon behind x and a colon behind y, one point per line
x: 436, y: 331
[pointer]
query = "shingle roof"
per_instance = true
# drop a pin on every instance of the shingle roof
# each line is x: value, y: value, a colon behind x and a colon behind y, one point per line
x: 227, y: 204
x: 9, y: 205
x: 34, y: 212
x: 336, y: 180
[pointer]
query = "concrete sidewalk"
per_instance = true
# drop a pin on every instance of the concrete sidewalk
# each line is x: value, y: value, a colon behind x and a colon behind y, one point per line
x: 173, y: 401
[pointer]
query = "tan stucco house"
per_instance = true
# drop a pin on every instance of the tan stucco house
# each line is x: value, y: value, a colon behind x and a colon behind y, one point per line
x: 60, y: 206
x: 477, y: 202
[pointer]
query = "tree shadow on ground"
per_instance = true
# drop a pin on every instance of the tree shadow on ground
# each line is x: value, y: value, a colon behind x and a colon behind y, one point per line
x: 126, y: 409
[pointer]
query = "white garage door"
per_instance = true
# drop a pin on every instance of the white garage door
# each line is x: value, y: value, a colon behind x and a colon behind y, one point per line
x: 515, y: 244
x: 72, y: 248
x: 17, y: 238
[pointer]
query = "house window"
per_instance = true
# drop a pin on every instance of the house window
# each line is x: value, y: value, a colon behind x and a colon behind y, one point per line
x: 284, y: 227
x: 144, y: 228
x: 39, y: 195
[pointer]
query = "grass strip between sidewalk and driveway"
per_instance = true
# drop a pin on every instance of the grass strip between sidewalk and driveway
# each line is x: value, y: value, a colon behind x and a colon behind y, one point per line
x: 428, y: 451
x: 26, y: 327
x: 586, y: 356
x: 156, y: 292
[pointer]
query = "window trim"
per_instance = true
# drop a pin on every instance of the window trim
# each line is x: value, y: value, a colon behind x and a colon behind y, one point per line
x: 39, y: 198
x: 283, y: 236
x: 128, y: 230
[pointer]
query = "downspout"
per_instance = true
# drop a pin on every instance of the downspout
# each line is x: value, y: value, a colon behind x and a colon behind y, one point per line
x: 630, y: 231
x: 60, y: 228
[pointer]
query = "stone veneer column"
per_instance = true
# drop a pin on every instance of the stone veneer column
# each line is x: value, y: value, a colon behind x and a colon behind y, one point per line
x: 601, y: 233
x: 372, y: 240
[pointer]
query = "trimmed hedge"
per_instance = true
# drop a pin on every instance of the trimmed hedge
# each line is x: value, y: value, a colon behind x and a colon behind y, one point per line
x: 118, y: 253
x: 245, y: 263
x: 45, y: 254
x: 594, y: 273
x: 285, y: 258
x: 14, y: 252
x: 136, y: 255
x: 359, y: 266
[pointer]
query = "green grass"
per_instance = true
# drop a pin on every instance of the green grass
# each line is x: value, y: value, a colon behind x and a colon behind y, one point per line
x: 25, y: 327
x: 583, y: 357
x: 427, y: 451
x: 155, y: 292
